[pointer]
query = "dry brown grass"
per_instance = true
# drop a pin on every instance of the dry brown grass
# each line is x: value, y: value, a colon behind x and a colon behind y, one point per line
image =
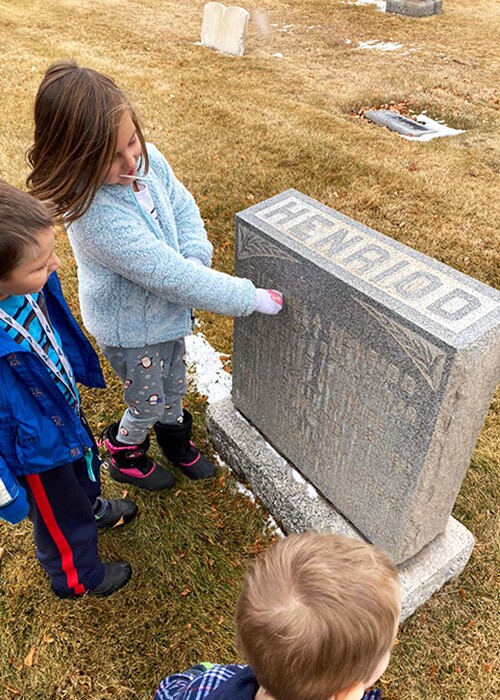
x: 237, y: 131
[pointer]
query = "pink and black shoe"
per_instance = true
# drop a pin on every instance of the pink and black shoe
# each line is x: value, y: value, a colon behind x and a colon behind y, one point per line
x: 130, y: 464
x: 178, y: 448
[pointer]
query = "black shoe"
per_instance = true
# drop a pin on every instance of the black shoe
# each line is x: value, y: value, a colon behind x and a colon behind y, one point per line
x: 177, y: 446
x: 116, y: 575
x: 130, y: 464
x: 120, y: 511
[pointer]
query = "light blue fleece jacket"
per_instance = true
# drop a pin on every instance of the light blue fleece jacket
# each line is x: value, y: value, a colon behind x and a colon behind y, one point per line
x: 136, y: 286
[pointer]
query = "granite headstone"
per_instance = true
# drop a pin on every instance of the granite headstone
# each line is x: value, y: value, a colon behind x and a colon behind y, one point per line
x: 224, y: 28
x: 414, y: 8
x: 375, y: 379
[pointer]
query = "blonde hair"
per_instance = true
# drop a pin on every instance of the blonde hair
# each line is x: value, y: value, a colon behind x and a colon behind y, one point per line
x: 317, y: 613
x: 22, y: 218
x: 77, y: 115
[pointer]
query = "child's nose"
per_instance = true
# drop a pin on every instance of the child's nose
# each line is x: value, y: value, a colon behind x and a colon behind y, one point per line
x: 130, y: 160
x: 55, y: 263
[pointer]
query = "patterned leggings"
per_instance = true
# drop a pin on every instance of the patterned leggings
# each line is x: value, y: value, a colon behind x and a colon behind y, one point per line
x: 154, y: 379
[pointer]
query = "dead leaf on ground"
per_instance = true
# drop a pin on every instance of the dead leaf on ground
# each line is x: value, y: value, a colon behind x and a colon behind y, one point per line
x: 28, y: 661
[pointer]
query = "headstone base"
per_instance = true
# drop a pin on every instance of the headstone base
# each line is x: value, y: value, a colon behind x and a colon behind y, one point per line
x: 298, y: 506
x: 414, y: 8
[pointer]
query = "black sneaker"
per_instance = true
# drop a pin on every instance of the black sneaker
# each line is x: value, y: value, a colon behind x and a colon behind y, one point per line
x: 119, y: 511
x: 130, y: 464
x: 116, y: 575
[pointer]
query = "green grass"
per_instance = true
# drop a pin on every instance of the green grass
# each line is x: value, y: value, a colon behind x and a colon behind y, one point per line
x: 236, y: 131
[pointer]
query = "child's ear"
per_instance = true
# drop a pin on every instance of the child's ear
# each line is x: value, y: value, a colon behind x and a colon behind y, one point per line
x: 354, y: 692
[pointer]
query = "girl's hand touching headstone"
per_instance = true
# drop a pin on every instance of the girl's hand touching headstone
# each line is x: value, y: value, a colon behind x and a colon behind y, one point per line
x: 269, y: 301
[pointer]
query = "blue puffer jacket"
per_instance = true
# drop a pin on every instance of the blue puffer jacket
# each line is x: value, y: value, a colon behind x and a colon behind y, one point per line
x: 38, y: 428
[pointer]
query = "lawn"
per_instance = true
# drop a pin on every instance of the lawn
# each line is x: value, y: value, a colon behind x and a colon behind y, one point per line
x: 237, y: 131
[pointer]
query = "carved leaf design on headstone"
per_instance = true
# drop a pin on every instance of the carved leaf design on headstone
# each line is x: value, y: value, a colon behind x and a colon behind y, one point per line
x: 224, y: 28
x: 252, y: 246
x: 428, y: 358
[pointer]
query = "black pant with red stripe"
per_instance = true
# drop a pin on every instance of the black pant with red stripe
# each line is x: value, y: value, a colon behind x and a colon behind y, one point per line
x: 64, y: 527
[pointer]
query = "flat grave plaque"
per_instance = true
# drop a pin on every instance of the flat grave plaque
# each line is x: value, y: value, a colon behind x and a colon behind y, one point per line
x: 399, y: 123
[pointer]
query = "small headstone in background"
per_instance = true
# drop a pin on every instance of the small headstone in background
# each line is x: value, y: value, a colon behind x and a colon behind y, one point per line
x: 397, y: 122
x: 414, y: 8
x: 224, y: 28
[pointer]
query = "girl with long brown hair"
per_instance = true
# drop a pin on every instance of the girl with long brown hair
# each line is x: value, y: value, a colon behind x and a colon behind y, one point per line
x: 143, y: 261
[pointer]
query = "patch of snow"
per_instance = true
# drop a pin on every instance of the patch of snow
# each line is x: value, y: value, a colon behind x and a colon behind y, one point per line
x: 381, y: 4
x: 220, y: 462
x: 309, y: 489
x: 274, y: 527
x: 311, y: 492
x: 379, y: 45
x: 205, y: 364
x: 298, y: 477
x: 440, y: 129
x: 241, y: 488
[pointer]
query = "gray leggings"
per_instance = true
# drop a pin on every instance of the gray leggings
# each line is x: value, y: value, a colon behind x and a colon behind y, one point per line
x: 154, y: 379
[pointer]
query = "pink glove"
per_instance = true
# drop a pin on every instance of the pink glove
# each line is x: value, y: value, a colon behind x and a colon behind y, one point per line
x: 269, y: 301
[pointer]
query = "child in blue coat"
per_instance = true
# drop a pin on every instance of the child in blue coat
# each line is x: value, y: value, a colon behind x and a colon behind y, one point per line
x: 49, y: 467
x: 143, y: 262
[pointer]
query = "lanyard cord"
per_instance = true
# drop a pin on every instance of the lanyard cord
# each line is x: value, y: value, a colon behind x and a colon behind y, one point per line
x: 39, y: 350
x: 87, y: 453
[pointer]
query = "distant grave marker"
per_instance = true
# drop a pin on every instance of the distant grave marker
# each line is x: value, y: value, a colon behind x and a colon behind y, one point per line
x: 414, y: 8
x: 224, y: 28
x: 397, y: 122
